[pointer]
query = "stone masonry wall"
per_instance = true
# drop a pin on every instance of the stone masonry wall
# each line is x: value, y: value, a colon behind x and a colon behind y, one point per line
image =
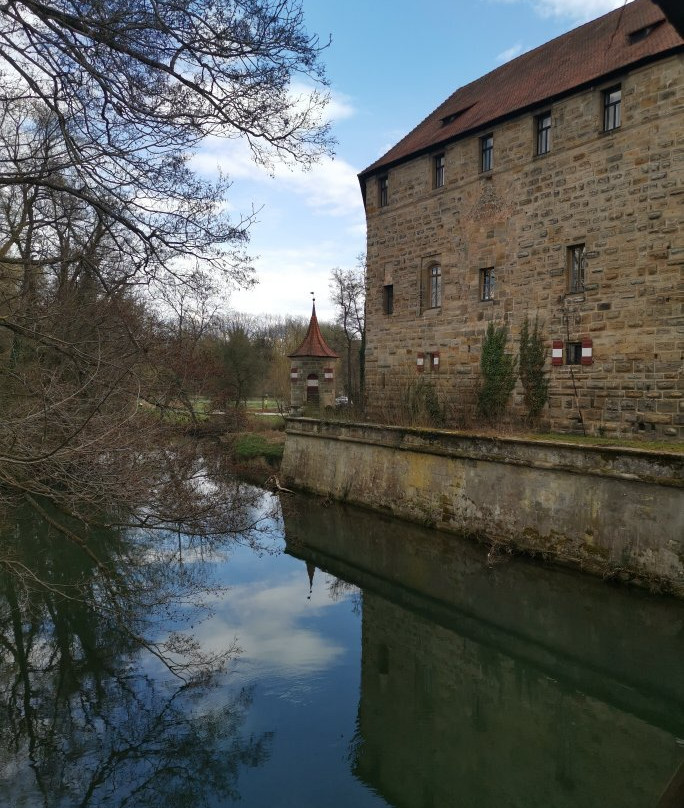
x: 619, y: 193
x: 303, y: 366
x: 615, y: 513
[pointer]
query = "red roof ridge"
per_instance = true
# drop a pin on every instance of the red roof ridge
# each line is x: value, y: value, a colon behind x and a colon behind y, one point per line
x: 313, y: 343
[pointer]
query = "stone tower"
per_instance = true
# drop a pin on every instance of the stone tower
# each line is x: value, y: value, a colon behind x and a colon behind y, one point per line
x: 312, y: 371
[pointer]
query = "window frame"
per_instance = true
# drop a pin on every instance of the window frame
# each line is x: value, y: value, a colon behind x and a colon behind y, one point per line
x: 543, y: 133
x: 487, y: 153
x: 612, y: 109
x: 434, y: 286
x: 383, y: 190
x: 388, y: 299
x: 572, y: 353
x: 487, y: 284
x: 439, y: 170
x: 576, y: 268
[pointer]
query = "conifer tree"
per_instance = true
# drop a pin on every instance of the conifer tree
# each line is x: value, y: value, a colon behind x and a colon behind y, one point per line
x: 498, y: 373
x: 531, y: 359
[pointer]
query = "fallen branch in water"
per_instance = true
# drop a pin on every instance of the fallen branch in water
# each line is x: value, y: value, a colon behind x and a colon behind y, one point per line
x: 275, y: 482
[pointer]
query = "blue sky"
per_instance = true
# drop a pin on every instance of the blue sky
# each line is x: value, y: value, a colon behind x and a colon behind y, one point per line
x: 389, y: 64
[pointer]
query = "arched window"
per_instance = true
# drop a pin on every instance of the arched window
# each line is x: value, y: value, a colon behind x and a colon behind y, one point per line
x: 435, y: 286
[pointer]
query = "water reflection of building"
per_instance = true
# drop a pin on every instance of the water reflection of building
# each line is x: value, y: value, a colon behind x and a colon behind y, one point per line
x: 502, y: 686
x: 443, y: 717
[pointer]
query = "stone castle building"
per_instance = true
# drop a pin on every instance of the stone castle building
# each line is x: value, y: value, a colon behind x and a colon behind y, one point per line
x: 551, y: 188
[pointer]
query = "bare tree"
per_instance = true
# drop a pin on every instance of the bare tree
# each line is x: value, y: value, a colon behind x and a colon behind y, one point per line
x: 129, y: 88
x: 73, y: 626
x: 348, y: 293
x: 101, y: 105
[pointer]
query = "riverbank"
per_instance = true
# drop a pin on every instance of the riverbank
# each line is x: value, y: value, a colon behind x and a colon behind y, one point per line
x: 257, y: 451
x: 613, y: 512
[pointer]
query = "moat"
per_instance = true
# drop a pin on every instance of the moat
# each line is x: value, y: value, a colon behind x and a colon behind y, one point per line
x: 380, y: 664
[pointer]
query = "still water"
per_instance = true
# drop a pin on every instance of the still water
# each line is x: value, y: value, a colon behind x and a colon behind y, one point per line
x: 379, y: 664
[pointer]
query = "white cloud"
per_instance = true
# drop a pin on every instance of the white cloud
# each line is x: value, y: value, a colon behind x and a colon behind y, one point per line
x: 233, y: 156
x: 267, y: 621
x: 510, y: 53
x: 311, y: 222
x: 576, y: 10
x: 338, y: 108
x: 307, y: 222
x: 330, y: 186
x: 287, y: 276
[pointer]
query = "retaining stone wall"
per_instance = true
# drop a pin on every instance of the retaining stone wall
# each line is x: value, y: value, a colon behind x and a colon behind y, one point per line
x: 612, y: 512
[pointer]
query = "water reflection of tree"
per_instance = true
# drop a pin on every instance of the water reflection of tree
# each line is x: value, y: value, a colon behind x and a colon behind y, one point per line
x: 339, y: 589
x: 88, y: 715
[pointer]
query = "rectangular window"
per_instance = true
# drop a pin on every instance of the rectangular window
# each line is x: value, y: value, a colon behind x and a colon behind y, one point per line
x: 573, y: 353
x: 433, y: 362
x: 543, y: 133
x: 439, y: 164
x: 383, y: 188
x: 435, y: 286
x: 486, y: 152
x: 612, y: 114
x: 577, y: 262
x: 388, y: 299
x: 487, y: 283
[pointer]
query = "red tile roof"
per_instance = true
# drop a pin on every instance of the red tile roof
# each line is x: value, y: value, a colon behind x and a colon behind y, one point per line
x: 314, y: 344
x: 584, y: 55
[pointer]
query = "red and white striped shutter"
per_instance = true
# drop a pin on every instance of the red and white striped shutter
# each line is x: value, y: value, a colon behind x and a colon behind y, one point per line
x: 435, y: 362
x: 420, y: 362
x: 557, y: 352
x: 294, y: 374
x: 587, y: 351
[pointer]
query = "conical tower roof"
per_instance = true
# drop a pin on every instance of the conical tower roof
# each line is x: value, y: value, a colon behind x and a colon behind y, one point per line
x: 314, y: 344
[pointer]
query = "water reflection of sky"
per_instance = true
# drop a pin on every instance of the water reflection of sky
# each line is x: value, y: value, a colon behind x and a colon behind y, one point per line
x: 277, y: 628
x: 301, y: 656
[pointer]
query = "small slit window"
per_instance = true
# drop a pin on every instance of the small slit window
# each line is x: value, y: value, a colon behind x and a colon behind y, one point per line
x: 577, y: 262
x: 486, y: 152
x: 543, y: 133
x: 388, y: 299
x: 487, y: 283
x: 383, y: 191
x: 438, y: 167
